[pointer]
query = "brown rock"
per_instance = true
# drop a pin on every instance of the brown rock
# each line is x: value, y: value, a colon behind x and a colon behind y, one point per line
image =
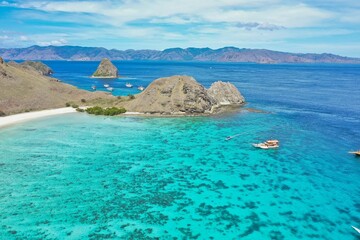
x: 106, y: 70
x: 225, y: 94
x: 172, y: 95
x: 183, y: 95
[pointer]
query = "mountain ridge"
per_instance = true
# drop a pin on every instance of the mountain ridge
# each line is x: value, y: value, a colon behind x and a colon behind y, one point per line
x: 225, y: 54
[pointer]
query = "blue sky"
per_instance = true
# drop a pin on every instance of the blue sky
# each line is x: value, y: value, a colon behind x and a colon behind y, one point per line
x: 331, y: 26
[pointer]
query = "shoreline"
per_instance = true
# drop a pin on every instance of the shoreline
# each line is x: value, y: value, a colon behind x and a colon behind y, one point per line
x: 23, y: 117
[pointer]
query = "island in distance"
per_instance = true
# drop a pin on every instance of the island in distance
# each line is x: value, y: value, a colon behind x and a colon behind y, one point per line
x: 226, y: 54
x: 31, y: 90
x: 106, y: 70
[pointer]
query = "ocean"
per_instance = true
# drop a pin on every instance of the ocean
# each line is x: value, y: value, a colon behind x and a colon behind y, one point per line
x: 79, y: 176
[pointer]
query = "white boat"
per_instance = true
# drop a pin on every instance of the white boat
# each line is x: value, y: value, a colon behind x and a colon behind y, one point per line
x: 110, y: 89
x: 356, y: 229
x: 269, y: 144
x: 356, y: 153
x: 93, y: 87
x: 141, y: 88
x: 129, y: 85
x: 106, y: 85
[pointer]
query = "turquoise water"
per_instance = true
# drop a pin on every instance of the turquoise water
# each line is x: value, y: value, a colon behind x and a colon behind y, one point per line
x: 78, y: 176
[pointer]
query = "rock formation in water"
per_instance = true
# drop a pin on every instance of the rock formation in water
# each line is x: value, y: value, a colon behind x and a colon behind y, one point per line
x: 183, y: 95
x: 38, y: 66
x: 106, y: 70
x: 225, y: 93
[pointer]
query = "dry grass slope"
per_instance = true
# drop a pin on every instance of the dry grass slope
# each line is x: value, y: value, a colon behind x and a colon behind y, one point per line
x: 23, y: 90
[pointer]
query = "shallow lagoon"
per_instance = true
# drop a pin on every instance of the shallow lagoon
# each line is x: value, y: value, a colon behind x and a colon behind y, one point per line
x: 80, y: 176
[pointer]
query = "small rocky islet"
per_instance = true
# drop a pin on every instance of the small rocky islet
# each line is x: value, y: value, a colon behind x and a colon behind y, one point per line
x: 106, y: 70
x: 183, y: 95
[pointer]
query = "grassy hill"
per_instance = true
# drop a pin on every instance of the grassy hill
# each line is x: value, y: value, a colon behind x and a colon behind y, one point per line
x: 25, y: 89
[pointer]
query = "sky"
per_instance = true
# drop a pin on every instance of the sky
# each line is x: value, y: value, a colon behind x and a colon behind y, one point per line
x: 314, y: 26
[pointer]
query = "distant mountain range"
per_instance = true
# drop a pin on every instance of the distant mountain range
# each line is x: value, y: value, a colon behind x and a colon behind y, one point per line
x: 226, y: 54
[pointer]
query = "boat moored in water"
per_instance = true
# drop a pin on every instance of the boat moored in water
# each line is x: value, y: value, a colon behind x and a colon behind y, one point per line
x: 106, y: 85
x: 141, y: 88
x: 93, y: 87
x: 129, y: 85
x: 356, y: 153
x: 110, y: 89
x: 269, y: 144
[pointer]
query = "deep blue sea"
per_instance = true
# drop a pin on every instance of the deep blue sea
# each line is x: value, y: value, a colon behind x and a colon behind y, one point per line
x: 79, y: 176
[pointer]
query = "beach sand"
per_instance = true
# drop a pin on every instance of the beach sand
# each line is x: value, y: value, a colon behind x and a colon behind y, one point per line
x: 18, y: 118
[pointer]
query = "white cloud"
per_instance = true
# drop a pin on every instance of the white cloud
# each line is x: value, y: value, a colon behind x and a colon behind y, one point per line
x: 24, y: 38
x: 171, y: 11
x: 59, y: 42
x: 4, y: 37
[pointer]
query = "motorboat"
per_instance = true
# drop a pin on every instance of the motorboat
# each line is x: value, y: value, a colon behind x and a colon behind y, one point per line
x: 357, y: 153
x: 110, y: 89
x: 356, y: 229
x: 141, y: 88
x: 269, y: 144
x: 93, y: 87
x: 106, y: 85
x: 129, y: 85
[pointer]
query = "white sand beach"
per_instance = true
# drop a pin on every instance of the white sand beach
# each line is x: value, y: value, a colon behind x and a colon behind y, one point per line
x: 18, y: 118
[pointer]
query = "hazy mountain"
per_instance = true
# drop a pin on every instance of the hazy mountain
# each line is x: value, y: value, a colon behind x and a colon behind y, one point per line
x: 226, y: 54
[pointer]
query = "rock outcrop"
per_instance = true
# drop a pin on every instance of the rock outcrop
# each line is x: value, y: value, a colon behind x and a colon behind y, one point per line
x: 39, y: 67
x: 1, y: 60
x: 106, y: 70
x: 225, y: 93
x: 183, y: 95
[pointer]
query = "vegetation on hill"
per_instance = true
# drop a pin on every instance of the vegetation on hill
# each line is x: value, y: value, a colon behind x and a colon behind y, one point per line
x: 111, y: 111
x: 39, y: 67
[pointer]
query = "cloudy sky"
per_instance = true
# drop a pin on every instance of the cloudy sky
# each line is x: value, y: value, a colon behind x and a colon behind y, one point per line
x: 317, y: 26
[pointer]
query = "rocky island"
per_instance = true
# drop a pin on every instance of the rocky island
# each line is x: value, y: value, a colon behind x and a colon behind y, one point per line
x: 183, y: 95
x: 106, y: 70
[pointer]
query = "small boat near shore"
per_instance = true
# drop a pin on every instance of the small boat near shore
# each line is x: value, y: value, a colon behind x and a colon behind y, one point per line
x: 356, y: 153
x: 269, y: 144
x: 106, y: 85
x: 110, y: 89
x: 93, y: 87
x: 128, y: 85
x: 141, y: 88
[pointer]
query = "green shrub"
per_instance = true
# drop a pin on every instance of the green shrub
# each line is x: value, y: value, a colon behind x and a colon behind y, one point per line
x: 131, y: 96
x: 75, y: 106
x: 80, y: 110
x: 67, y: 104
x: 112, y: 111
x: 83, y: 100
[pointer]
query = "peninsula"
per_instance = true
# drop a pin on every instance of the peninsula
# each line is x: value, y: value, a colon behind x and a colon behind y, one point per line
x: 106, y: 70
x: 25, y: 89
